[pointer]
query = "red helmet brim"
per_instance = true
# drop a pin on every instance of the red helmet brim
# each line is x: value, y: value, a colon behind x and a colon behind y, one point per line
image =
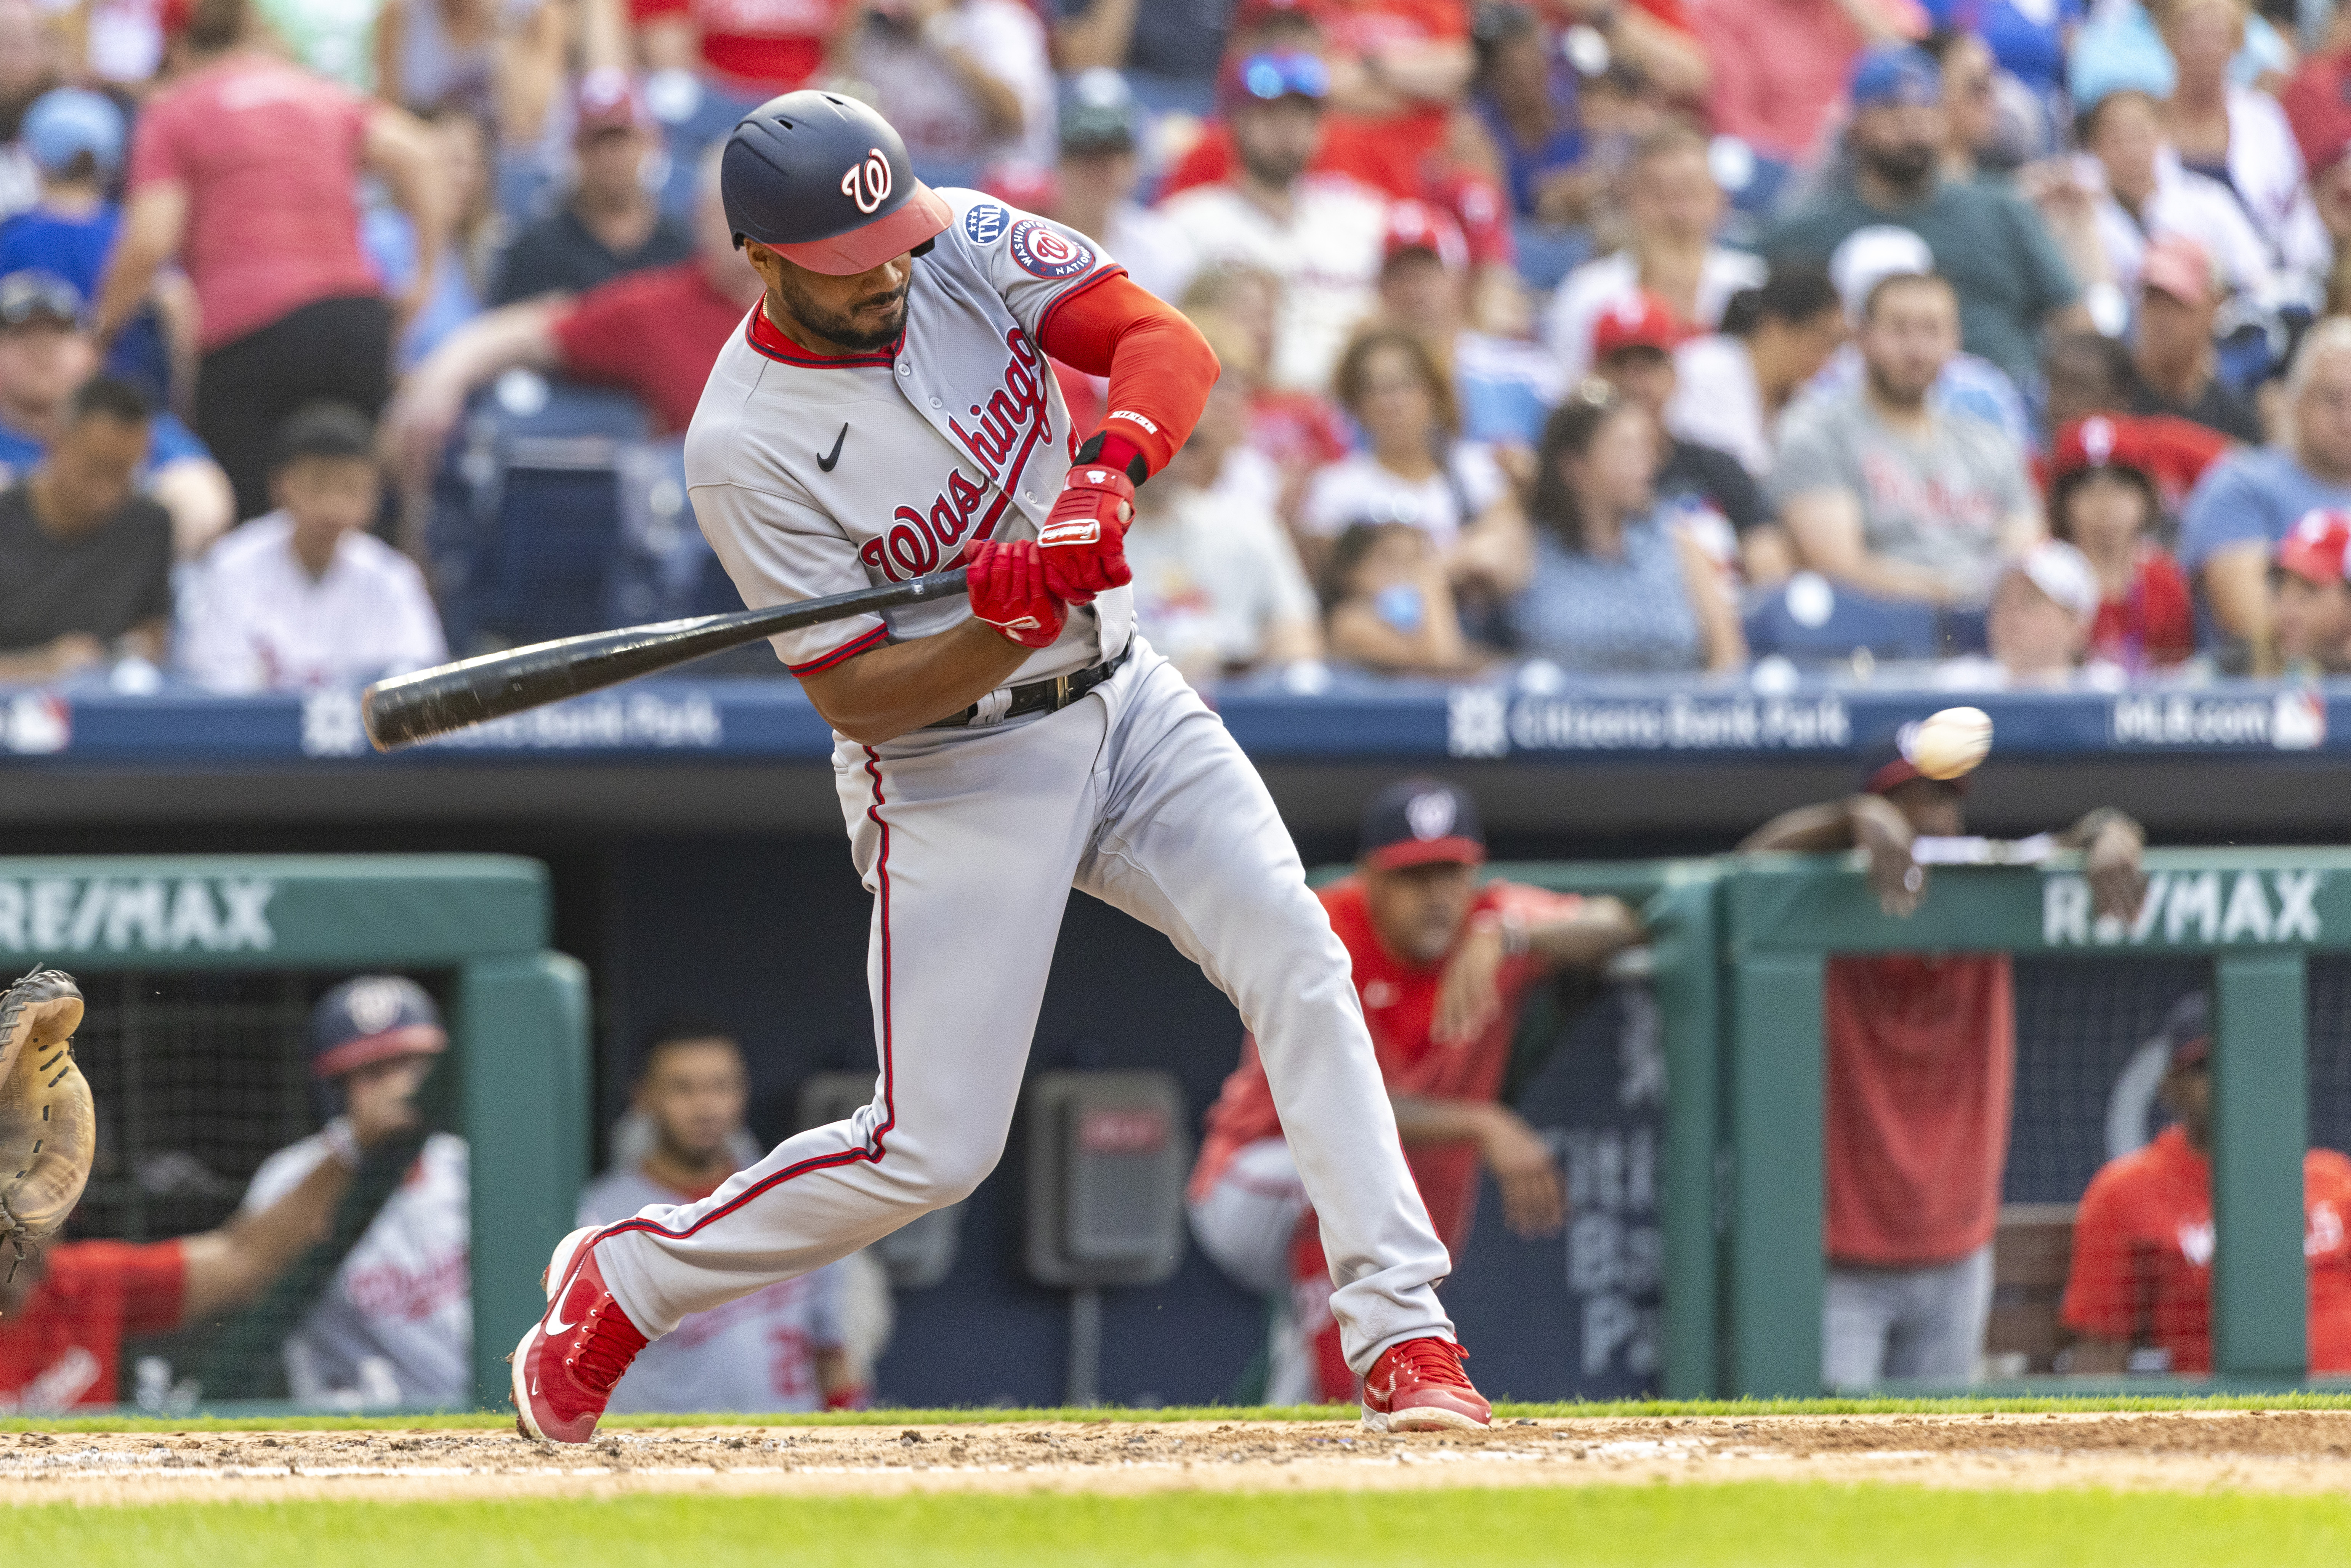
x: 924, y: 215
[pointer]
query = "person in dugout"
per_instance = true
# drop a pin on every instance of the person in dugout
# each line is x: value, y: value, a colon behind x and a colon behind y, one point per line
x: 1442, y: 965
x: 66, y: 1308
x: 2139, y: 1294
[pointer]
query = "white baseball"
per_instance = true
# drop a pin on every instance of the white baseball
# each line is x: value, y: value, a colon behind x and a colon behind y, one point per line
x: 1951, y: 743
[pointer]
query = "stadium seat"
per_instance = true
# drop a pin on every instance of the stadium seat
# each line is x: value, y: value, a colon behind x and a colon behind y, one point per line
x: 526, y: 526
x: 1809, y: 622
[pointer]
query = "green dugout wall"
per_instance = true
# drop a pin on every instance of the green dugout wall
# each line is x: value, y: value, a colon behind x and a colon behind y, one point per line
x: 2256, y: 914
x: 519, y: 1029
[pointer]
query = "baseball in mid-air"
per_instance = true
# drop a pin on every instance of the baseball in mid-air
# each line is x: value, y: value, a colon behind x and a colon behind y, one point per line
x: 1951, y: 743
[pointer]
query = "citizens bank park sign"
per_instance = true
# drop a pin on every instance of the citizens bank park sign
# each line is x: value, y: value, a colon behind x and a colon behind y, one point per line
x: 55, y: 917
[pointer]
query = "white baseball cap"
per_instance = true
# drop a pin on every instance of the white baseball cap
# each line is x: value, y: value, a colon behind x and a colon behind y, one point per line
x: 2063, y: 573
x: 1867, y: 258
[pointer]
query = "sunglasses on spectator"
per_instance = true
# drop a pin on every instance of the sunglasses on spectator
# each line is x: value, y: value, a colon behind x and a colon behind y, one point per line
x: 1270, y: 76
x: 29, y: 296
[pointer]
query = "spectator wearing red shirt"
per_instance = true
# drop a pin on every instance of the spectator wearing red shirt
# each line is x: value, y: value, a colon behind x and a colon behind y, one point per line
x: 1921, y: 1068
x: 2309, y: 601
x: 1442, y: 965
x: 2104, y: 501
x: 2140, y: 1291
x: 1780, y: 65
x: 67, y: 1309
x: 654, y: 333
x: 245, y: 170
x: 752, y: 48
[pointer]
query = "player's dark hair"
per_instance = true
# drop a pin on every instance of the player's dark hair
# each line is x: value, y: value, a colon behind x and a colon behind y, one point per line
x: 1568, y: 433
x: 1795, y: 292
x: 681, y: 1028
x: 1354, y: 367
x: 104, y: 395
x: 328, y: 430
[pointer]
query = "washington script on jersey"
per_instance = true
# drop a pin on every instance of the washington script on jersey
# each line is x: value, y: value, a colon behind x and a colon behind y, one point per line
x: 1005, y: 430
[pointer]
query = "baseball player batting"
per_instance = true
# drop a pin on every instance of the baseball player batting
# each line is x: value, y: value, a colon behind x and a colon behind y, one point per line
x: 887, y: 412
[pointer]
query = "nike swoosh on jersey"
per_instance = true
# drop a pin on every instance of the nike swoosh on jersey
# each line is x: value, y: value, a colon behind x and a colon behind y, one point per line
x: 826, y: 460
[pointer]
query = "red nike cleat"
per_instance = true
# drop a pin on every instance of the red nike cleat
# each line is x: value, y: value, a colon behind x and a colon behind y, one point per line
x: 1419, y: 1386
x: 565, y: 1367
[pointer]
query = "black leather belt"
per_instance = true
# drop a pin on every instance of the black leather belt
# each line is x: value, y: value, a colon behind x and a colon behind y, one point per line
x: 1041, y: 697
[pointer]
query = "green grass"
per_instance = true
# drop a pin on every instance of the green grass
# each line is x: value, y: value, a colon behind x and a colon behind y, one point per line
x: 1757, y: 1525
x: 2308, y: 1399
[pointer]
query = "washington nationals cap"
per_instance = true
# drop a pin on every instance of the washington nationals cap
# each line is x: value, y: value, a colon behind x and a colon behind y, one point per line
x: 372, y: 1019
x: 1418, y: 821
x: 825, y: 182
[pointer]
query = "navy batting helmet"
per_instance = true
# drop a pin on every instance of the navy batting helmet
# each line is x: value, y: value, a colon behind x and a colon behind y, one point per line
x: 825, y: 181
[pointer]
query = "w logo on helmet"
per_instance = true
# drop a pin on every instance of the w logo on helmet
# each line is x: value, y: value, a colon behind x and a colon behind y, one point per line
x: 868, y: 183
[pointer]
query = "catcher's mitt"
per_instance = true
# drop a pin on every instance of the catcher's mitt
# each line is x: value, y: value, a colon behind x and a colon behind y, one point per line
x: 48, y: 1126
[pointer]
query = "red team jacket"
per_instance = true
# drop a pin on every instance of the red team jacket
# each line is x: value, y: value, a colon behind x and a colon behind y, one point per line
x: 2143, y: 1254
x: 1399, y: 1001
x: 64, y: 1347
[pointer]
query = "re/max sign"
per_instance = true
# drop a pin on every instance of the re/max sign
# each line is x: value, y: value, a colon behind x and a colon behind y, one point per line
x: 156, y: 914
x: 2199, y: 906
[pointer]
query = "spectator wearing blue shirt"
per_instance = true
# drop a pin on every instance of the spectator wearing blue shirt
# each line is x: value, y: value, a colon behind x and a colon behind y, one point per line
x: 45, y: 354
x: 2028, y: 37
x: 1525, y: 95
x: 75, y: 137
x: 2247, y: 502
x: 1505, y: 386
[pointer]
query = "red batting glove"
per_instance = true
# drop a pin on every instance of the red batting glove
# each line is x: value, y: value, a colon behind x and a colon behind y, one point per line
x: 1008, y: 587
x: 1084, y: 536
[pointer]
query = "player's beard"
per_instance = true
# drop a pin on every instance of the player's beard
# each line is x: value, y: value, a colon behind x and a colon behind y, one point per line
x: 847, y: 329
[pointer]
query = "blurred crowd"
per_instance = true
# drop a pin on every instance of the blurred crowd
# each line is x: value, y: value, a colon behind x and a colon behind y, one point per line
x: 1985, y: 343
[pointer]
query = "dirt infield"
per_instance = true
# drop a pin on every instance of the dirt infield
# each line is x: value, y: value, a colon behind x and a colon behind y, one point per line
x: 2294, y: 1451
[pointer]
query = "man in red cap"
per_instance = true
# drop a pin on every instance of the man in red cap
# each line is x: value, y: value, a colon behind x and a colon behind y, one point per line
x: 1633, y: 344
x: 2140, y: 1290
x: 1442, y: 965
x: 2173, y: 359
x: 1921, y: 1068
x: 611, y: 223
x: 2310, y: 601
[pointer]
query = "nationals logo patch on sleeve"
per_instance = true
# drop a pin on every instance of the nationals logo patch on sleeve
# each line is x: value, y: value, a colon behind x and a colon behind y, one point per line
x: 1046, y: 253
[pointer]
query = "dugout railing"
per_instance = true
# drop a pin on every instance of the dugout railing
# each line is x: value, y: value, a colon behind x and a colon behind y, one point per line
x: 2257, y: 916
x: 518, y: 1019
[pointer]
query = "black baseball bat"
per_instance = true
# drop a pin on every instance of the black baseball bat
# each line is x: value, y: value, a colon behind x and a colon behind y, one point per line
x: 408, y: 708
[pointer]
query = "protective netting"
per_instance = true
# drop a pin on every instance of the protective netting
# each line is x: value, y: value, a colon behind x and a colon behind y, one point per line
x: 2102, y: 1262
x: 198, y: 1079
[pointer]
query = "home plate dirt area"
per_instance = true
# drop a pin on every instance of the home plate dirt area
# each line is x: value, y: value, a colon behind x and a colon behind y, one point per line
x: 2285, y: 1451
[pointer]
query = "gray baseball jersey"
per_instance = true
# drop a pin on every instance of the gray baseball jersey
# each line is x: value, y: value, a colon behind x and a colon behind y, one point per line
x: 401, y: 1302
x: 814, y: 476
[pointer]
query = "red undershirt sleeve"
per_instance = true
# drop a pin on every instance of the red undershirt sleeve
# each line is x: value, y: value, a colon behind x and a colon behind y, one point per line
x: 1159, y: 366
